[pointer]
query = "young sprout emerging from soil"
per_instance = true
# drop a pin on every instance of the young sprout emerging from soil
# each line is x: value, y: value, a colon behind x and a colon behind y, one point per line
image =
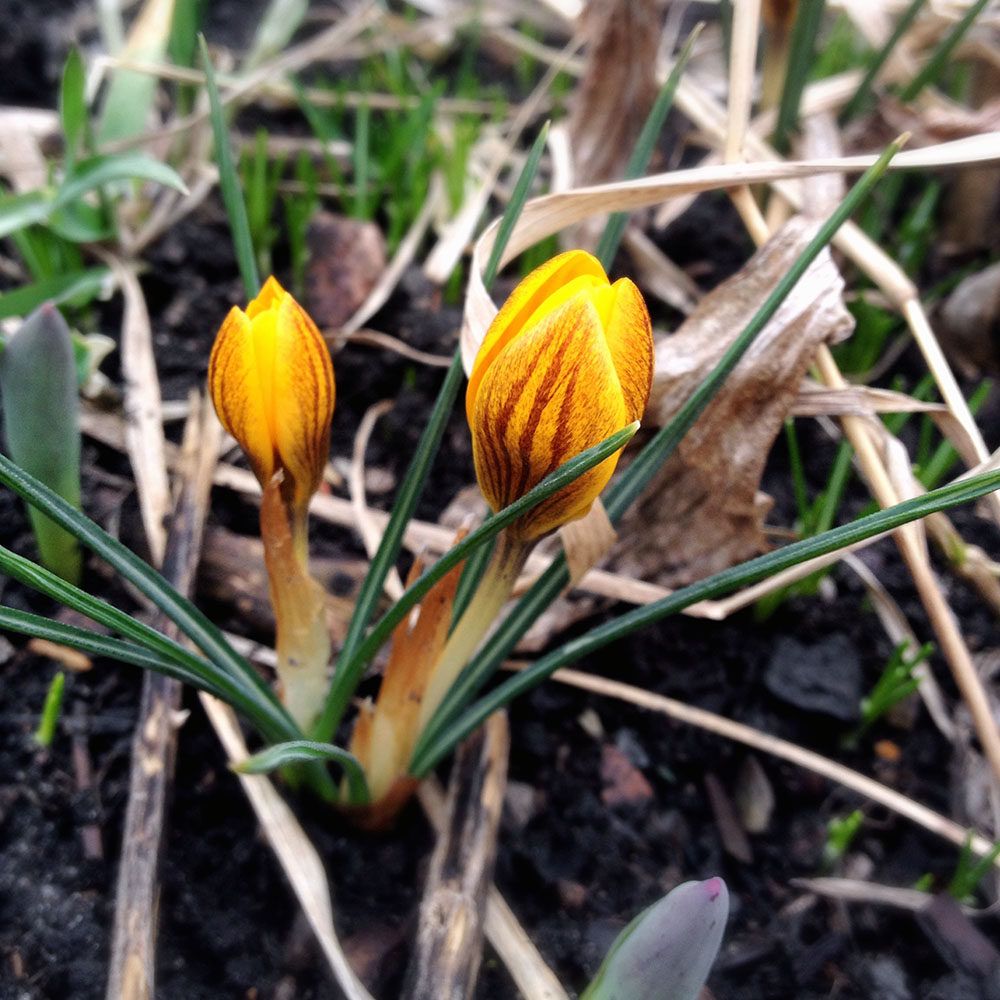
x: 668, y: 950
x: 38, y: 381
x: 271, y: 380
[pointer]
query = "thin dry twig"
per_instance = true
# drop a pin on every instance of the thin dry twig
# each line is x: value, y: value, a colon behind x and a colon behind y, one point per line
x: 371, y: 533
x: 871, y: 893
x: 132, y: 965
x: 143, y: 415
x: 389, y: 343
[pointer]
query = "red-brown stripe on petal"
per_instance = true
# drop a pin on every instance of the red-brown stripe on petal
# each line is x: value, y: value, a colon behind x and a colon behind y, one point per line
x: 549, y: 395
x: 303, y: 398
x: 529, y: 295
x: 234, y: 385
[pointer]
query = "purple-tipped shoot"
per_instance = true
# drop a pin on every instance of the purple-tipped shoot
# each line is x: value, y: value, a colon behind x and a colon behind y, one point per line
x: 667, y: 952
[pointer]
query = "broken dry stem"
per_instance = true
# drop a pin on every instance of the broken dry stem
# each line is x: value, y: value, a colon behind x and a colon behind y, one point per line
x: 449, y: 938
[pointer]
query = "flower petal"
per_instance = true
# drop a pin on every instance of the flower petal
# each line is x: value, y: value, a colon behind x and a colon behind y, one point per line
x: 234, y: 381
x: 630, y: 340
x: 528, y: 303
x: 548, y: 395
x: 303, y: 398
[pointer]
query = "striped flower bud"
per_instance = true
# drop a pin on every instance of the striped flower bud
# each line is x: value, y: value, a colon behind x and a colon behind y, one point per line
x: 567, y: 361
x: 271, y: 380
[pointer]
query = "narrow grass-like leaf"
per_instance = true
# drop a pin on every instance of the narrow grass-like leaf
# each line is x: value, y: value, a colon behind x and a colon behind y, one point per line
x: 73, y: 105
x: 279, y: 22
x: 711, y: 587
x: 346, y: 675
x: 863, y: 93
x: 937, y: 63
x: 48, y: 583
x: 51, y: 710
x: 800, y: 55
x: 320, y: 125
x: 188, y: 618
x: 637, y: 476
x: 61, y: 288
x: 96, y: 171
x: 563, y: 476
x: 18, y: 211
x: 643, y: 152
x: 229, y: 181
x: 205, y: 678
x: 300, y: 751
x: 361, y: 158
x: 513, y: 211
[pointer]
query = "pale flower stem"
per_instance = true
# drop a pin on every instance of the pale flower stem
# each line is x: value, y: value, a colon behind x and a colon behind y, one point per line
x: 498, y: 581
x: 302, y: 642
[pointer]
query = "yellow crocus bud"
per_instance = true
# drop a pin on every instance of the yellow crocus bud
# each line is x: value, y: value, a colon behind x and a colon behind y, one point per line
x: 271, y: 380
x: 567, y: 361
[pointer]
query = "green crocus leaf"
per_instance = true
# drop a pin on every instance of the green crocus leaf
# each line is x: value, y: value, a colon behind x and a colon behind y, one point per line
x: 42, y: 424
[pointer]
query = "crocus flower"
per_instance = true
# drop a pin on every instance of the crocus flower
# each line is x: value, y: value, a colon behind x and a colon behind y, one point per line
x: 271, y: 380
x: 567, y: 361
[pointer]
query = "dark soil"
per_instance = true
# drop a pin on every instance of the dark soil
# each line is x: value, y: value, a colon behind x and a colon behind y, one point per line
x: 574, y: 868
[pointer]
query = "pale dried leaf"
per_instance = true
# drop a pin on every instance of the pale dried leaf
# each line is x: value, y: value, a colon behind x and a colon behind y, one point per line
x: 816, y: 400
x: 587, y: 541
x: 549, y: 214
x: 143, y: 417
x: 22, y: 163
x: 618, y: 87
x: 703, y: 511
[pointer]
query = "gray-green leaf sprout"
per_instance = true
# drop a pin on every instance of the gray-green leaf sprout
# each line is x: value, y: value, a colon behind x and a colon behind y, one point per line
x: 42, y: 424
x: 667, y: 952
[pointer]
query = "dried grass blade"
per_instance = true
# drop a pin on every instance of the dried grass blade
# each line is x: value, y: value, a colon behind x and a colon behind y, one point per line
x: 291, y: 845
x: 144, y: 419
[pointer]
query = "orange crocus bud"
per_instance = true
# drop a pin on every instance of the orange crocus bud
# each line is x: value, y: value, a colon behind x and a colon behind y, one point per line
x: 567, y: 361
x: 271, y: 380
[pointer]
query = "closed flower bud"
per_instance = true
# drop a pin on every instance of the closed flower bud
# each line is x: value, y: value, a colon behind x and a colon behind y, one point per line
x: 271, y: 380
x: 567, y: 361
